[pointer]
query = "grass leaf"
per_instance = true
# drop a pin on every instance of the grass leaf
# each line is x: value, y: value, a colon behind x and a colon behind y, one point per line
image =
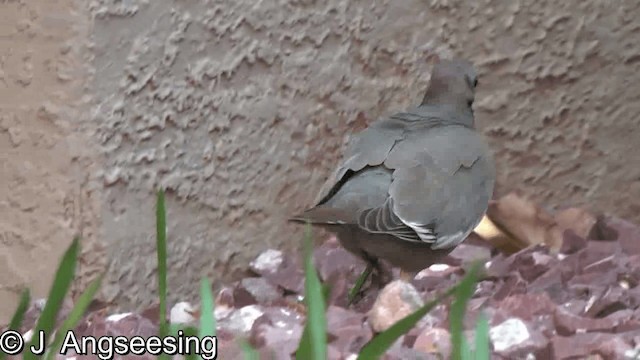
x: 249, y: 352
x: 464, y: 292
x: 161, y: 250
x: 57, y: 293
x: 313, y: 344
x: 207, y: 320
x: 304, y: 339
x: 465, y: 350
x: 377, y: 346
x: 23, y: 305
x: 74, y: 316
x: 189, y: 331
x: 173, y: 329
x: 18, y: 315
x: 482, y: 338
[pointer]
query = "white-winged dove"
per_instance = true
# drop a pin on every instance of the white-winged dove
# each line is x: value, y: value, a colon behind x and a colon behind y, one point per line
x: 414, y: 185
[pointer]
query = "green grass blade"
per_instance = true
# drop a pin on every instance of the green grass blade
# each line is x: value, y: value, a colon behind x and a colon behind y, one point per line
x: 465, y: 350
x: 75, y: 315
x: 304, y: 339
x: 377, y: 346
x: 189, y: 331
x: 464, y: 292
x: 326, y: 293
x: 313, y: 344
x: 18, y: 315
x: 161, y: 249
x: 173, y: 329
x: 482, y: 338
x: 207, y: 320
x: 186, y: 331
x: 248, y: 351
x: 59, y: 289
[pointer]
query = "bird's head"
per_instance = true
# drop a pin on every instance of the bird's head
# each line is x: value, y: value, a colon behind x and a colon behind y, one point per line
x: 453, y: 82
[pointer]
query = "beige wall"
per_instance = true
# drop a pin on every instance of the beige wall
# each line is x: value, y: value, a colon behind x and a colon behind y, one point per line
x: 240, y: 108
x: 46, y: 154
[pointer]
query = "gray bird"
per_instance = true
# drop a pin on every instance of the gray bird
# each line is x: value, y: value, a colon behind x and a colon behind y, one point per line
x: 414, y: 185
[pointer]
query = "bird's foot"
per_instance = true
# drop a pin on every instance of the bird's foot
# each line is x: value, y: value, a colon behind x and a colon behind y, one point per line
x: 380, y: 277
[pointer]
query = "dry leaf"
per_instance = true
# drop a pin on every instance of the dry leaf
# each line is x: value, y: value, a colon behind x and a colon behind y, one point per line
x: 579, y: 220
x: 515, y: 222
x: 490, y: 233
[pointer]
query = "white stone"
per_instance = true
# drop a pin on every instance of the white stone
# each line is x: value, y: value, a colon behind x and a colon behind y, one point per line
x: 241, y: 320
x: 590, y: 302
x: 221, y: 312
x: 117, y: 317
x: 40, y: 303
x: 632, y: 354
x: 285, y: 311
x: 508, y: 334
x: 268, y: 260
x: 396, y: 300
x: 624, y: 284
x: 182, y: 313
x: 438, y: 267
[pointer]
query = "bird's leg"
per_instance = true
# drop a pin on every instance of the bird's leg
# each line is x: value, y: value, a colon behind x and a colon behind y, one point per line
x: 380, y: 277
x: 355, y: 290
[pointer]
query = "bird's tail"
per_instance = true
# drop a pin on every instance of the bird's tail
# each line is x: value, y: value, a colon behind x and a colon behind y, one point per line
x: 323, y: 216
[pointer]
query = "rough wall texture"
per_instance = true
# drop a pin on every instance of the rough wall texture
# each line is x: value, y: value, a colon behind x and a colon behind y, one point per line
x: 240, y: 109
x: 45, y: 156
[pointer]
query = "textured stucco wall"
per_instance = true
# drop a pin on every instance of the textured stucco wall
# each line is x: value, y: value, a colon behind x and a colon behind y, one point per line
x: 46, y: 158
x: 240, y: 108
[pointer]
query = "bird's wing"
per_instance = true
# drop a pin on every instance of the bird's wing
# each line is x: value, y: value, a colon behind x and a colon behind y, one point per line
x: 383, y: 220
x: 372, y: 146
x: 439, y: 186
x: 368, y: 148
x: 442, y: 182
x: 416, y: 181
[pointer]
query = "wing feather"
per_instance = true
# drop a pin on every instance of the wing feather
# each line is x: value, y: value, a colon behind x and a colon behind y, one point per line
x: 383, y: 220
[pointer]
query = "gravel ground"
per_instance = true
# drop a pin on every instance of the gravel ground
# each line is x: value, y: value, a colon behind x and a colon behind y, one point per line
x: 577, y: 298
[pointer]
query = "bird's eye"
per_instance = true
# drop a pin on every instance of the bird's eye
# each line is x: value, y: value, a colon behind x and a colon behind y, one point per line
x: 475, y: 83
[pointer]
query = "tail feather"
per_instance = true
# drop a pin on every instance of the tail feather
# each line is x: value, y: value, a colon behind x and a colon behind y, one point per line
x: 323, y: 215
